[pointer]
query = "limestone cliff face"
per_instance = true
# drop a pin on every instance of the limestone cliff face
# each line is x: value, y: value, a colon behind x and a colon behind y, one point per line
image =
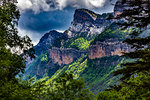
x: 107, y: 48
x: 122, y: 5
x: 87, y: 21
x: 64, y: 56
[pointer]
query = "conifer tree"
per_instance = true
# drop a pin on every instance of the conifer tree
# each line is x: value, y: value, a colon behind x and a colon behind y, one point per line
x: 135, y: 78
x: 138, y: 18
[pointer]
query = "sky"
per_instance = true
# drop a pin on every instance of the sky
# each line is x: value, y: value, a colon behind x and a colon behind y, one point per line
x: 41, y: 16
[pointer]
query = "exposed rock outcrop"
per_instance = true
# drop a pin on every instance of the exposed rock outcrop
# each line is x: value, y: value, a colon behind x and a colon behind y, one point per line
x: 47, y: 40
x: 107, y: 48
x: 64, y: 56
x: 87, y: 21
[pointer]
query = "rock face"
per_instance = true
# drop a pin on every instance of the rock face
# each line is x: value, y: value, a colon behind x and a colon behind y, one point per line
x: 107, y: 48
x: 87, y: 21
x: 122, y: 5
x: 47, y: 40
x: 64, y: 56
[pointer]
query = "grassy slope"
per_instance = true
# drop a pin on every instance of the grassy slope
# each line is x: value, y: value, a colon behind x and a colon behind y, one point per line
x: 97, y: 73
x: 112, y: 31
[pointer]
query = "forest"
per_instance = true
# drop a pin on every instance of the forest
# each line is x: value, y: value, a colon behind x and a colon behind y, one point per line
x: 134, y: 75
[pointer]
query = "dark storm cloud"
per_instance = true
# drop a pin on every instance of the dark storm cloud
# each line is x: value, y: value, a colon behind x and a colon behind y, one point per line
x: 46, y: 21
x: 41, y: 16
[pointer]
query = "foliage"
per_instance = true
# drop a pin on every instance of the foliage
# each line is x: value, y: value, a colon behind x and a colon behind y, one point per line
x: 135, y: 80
x: 109, y: 95
x: 11, y: 46
x: 68, y: 88
x: 11, y: 63
x: 78, y: 66
x: 80, y: 41
x: 138, y: 19
x: 44, y: 58
x: 128, y: 90
x: 80, y: 44
x: 40, y: 63
x: 112, y: 31
x: 97, y: 73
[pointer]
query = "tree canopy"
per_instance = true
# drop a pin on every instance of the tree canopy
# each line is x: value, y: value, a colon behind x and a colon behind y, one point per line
x: 135, y: 80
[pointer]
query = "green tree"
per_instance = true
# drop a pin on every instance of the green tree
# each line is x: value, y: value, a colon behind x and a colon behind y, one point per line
x: 68, y: 88
x: 135, y: 80
x: 137, y: 18
x: 11, y: 46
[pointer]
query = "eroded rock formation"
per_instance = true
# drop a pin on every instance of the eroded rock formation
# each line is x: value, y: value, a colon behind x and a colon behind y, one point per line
x: 107, y: 48
x: 87, y: 21
x: 64, y: 56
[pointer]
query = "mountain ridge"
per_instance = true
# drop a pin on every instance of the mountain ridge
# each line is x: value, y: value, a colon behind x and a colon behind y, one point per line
x: 90, y: 48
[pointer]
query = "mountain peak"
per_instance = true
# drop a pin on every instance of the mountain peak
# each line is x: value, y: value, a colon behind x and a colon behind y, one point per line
x: 52, y: 33
x: 82, y: 15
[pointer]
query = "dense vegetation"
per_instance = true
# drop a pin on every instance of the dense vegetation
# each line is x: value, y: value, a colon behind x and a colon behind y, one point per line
x: 67, y: 82
x: 11, y: 63
x: 40, y: 63
x: 135, y: 82
x: 113, y: 31
x: 80, y: 41
x: 97, y: 73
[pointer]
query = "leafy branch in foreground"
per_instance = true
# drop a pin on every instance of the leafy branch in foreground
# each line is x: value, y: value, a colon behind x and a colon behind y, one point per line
x: 11, y: 45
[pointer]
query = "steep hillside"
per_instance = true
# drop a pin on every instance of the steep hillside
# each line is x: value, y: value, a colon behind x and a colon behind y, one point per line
x: 87, y: 21
x: 61, y: 48
x: 101, y: 59
x: 90, y: 49
x: 97, y: 73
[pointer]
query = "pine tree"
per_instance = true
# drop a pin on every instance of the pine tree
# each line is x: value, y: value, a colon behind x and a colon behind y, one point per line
x: 136, y: 74
x: 135, y: 80
x: 138, y: 18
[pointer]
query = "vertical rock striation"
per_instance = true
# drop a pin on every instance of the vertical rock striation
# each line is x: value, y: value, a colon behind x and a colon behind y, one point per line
x: 64, y: 56
x: 87, y: 21
x: 107, y: 48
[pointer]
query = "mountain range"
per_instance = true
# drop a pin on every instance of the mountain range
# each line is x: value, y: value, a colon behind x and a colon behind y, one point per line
x: 91, y: 49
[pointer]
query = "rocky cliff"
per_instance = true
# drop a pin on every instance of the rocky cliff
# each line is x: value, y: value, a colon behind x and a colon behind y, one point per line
x: 47, y: 40
x: 64, y: 56
x: 107, y: 48
x: 87, y: 21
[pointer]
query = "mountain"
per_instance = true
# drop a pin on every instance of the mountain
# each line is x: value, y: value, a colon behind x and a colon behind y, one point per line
x: 88, y: 21
x: 47, y: 40
x: 91, y: 49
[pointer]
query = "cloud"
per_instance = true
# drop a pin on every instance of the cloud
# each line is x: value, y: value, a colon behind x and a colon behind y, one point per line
x: 49, y: 5
x: 35, y: 37
x: 46, y: 21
